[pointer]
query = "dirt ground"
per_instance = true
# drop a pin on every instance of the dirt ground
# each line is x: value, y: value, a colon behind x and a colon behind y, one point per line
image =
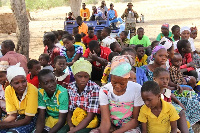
x: 156, y: 13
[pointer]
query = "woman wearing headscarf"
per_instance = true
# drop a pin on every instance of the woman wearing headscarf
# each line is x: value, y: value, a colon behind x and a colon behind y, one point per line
x: 84, y: 99
x: 21, y: 103
x: 120, y: 100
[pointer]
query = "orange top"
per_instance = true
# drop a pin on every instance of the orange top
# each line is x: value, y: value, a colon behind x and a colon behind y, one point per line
x: 83, y: 28
x: 85, y: 13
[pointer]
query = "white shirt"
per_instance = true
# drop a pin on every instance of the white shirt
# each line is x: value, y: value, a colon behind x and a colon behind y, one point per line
x: 133, y: 93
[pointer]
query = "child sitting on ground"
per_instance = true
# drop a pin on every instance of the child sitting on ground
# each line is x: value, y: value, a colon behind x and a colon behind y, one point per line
x: 61, y: 72
x: 34, y: 68
x: 44, y: 59
x: 78, y: 42
x: 106, y: 72
x: 141, y: 57
x: 123, y: 40
x: 53, y: 100
x: 75, y: 31
x: 89, y: 37
x: 99, y: 37
x: 115, y: 47
x: 187, y: 67
x: 183, y: 104
x: 176, y: 75
x: 156, y: 116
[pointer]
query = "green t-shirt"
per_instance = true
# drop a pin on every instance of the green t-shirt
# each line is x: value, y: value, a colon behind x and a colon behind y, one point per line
x: 144, y: 41
x: 58, y: 103
x: 160, y: 36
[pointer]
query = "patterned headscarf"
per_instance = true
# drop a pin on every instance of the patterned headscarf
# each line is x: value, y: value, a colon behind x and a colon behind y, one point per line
x: 120, y: 66
x: 81, y: 65
x: 155, y: 50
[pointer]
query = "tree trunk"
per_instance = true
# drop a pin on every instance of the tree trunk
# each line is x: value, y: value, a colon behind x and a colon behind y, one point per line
x: 23, y: 36
x: 75, y: 7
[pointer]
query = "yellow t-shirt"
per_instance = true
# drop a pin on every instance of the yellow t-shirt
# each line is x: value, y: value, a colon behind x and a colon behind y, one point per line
x: 85, y: 13
x: 82, y: 45
x: 160, y: 124
x: 28, y: 104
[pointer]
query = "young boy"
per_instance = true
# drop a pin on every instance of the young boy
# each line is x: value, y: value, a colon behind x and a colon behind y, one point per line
x: 187, y: 66
x: 107, y: 39
x: 116, y: 47
x: 44, y: 59
x: 99, y: 37
x: 53, y: 100
x: 78, y: 42
x: 34, y: 68
x: 164, y: 32
x: 141, y: 57
x: 123, y: 40
x: 156, y: 116
x: 89, y: 37
x: 132, y: 76
x: 98, y: 56
x: 75, y: 31
x: 176, y: 75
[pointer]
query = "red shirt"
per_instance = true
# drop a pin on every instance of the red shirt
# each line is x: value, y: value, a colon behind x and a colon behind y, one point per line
x: 87, y: 39
x: 33, y: 81
x: 105, y: 51
x: 186, y: 59
x: 52, y: 53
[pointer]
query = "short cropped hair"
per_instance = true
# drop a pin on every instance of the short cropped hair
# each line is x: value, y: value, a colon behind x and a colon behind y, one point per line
x: 31, y: 63
x: 151, y: 86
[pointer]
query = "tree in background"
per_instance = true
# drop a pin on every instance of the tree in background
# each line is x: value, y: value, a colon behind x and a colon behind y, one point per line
x: 23, y: 35
x: 75, y: 7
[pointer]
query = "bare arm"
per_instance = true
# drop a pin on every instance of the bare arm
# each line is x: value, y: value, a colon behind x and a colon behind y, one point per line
x: 10, y: 118
x: 173, y: 126
x: 84, y: 123
x: 69, y: 121
x: 177, y: 101
x: 61, y: 122
x: 144, y: 127
x: 132, y: 123
x: 40, y: 121
x: 105, y: 119
x: 12, y: 124
x: 77, y: 56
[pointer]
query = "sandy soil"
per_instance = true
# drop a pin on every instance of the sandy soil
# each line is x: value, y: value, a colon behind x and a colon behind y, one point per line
x: 156, y: 12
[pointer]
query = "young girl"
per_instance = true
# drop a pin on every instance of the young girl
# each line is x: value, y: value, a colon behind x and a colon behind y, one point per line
x: 191, y: 106
x: 119, y: 104
x: 156, y: 116
x: 84, y: 99
x: 4, y: 83
x: 71, y: 52
x: 61, y: 72
x: 159, y: 55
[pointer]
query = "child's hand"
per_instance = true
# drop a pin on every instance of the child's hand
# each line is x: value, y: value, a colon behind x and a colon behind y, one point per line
x: 179, y: 89
x: 181, y: 105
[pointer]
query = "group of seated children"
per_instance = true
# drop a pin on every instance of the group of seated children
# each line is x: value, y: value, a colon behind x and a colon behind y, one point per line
x: 144, y: 87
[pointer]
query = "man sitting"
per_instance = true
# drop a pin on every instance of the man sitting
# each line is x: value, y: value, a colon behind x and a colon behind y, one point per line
x: 82, y: 28
x: 85, y: 12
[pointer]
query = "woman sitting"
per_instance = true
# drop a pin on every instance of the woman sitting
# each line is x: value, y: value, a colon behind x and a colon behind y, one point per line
x: 21, y: 103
